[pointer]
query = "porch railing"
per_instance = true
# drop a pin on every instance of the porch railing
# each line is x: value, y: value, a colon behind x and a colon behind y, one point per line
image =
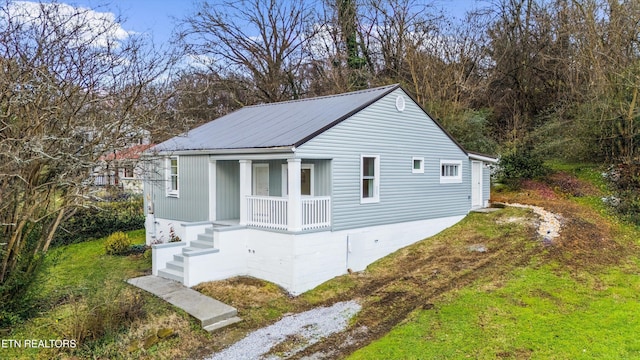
x: 272, y: 212
x: 267, y: 211
x: 316, y: 212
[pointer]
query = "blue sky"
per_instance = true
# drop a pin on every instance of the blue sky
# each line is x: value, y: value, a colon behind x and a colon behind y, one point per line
x: 156, y: 17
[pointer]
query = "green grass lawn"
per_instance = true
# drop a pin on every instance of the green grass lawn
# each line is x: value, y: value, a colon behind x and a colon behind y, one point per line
x: 77, y: 267
x: 80, y: 287
x: 540, y: 313
x: 548, y: 309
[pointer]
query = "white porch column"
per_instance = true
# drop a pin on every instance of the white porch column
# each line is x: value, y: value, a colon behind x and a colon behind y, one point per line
x: 212, y: 191
x: 294, y: 206
x: 245, y: 188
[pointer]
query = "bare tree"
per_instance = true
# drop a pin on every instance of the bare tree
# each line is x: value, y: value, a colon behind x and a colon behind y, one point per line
x: 396, y: 27
x: 71, y: 88
x: 607, y: 59
x: 263, y: 40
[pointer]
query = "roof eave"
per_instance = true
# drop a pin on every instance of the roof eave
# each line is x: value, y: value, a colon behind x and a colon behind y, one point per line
x: 482, y: 157
x: 239, y: 151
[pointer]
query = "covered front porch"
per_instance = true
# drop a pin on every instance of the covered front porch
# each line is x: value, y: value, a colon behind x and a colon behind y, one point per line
x: 284, y: 194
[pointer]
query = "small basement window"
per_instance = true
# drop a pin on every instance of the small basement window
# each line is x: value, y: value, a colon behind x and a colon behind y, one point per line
x: 418, y: 165
x: 450, y: 171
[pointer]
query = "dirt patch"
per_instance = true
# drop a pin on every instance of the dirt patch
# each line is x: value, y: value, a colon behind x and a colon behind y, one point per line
x: 588, y: 237
x: 567, y: 184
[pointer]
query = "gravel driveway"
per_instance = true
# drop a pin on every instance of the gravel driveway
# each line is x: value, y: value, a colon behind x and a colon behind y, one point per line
x: 301, y: 330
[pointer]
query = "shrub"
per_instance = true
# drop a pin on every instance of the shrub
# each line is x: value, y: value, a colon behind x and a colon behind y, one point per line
x: 625, y: 182
x: 19, y: 292
x: 520, y: 164
x: 137, y: 249
x: 117, y: 243
x: 101, y: 218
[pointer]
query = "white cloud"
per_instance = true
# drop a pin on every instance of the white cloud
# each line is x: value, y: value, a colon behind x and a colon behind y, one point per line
x: 92, y: 27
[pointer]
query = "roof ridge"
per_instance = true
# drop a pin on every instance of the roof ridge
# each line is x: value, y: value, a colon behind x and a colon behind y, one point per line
x: 325, y: 96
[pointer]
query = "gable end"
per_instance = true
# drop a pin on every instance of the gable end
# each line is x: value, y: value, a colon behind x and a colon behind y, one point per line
x: 346, y: 116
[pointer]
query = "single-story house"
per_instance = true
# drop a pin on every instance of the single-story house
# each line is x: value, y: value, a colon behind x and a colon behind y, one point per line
x: 301, y: 191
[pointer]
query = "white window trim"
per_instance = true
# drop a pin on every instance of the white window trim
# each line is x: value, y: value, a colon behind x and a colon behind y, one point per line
x: 171, y: 192
x: 450, y: 179
x: 376, y: 179
x: 421, y: 169
x: 285, y: 178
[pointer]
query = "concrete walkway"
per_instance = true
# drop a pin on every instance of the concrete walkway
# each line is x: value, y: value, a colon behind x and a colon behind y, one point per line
x: 212, y: 313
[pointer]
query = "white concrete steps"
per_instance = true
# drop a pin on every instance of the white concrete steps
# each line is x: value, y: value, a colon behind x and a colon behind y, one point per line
x: 175, y: 268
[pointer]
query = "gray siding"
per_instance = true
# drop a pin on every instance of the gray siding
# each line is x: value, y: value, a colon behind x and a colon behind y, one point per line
x: 322, y: 177
x: 486, y: 182
x: 396, y: 137
x: 227, y: 190
x: 192, y: 204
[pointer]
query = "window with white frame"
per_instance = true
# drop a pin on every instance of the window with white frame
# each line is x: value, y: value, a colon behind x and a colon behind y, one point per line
x: 418, y: 165
x: 369, y: 178
x: 306, y: 180
x: 172, y: 176
x: 450, y: 171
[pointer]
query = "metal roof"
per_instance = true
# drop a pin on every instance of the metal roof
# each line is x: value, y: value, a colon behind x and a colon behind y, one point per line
x: 289, y: 123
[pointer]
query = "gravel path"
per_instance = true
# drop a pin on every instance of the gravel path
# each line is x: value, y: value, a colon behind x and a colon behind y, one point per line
x: 305, y: 329
x: 549, y: 222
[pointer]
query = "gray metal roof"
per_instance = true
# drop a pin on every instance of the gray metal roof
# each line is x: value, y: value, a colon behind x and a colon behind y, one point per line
x: 289, y: 123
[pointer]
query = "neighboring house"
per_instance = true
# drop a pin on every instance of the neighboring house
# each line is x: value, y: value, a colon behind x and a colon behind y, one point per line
x: 302, y: 191
x: 123, y: 168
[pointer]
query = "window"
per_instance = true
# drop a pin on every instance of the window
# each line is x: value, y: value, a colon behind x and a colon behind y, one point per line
x: 370, y: 178
x: 172, y: 176
x: 450, y: 171
x: 418, y: 165
x: 306, y: 180
x: 128, y: 171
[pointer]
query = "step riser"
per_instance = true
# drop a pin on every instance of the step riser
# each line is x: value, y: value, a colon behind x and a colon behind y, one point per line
x: 178, y: 266
x: 169, y: 275
x: 206, y: 238
x: 178, y: 258
x: 201, y: 244
x: 222, y: 324
x: 221, y: 317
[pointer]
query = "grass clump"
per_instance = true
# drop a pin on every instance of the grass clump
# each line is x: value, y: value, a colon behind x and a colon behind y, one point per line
x: 98, y: 315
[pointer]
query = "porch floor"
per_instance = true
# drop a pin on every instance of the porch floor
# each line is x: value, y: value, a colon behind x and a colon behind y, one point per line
x: 212, y: 313
x: 230, y: 222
